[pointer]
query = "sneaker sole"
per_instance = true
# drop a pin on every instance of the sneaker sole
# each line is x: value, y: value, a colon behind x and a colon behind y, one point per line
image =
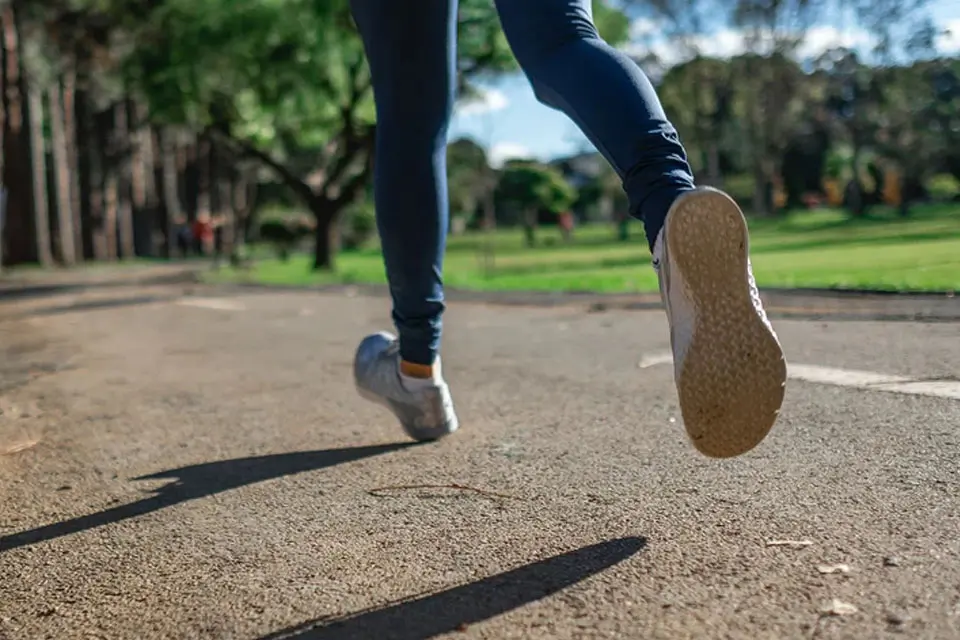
x: 732, y: 382
x: 416, y: 433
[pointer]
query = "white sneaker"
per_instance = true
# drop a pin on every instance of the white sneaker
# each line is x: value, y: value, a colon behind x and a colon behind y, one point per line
x: 728, y: 363
x: 424, y: 407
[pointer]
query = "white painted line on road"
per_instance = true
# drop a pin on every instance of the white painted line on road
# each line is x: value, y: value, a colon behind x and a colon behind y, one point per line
x: 840, y: 377
x: 218, y: 304
x: 655, y: 359
x: 937, y: 388
x: 853, y: 378
x: 874, y: 381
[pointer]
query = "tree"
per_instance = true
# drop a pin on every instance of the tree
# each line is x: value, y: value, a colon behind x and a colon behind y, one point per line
x: 39, y: 154
x: 946, y: 111
x: 472, y: 181
x: 905, y: 134
x: 770, y: 83
x: 698, y: 95
x: 19, y: 224
x: 285, y: 83
x: 531, y: 188
x: 900, y: 28
x: 852, y: 102
x: 61, y: 164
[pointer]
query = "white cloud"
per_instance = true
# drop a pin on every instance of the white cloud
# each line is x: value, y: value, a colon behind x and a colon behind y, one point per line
x: 726, y: 43
x: 488, y: 101
x: 821, y: 38
x: 949, y: 42
x: 500, y: 152
x: 643, y: 28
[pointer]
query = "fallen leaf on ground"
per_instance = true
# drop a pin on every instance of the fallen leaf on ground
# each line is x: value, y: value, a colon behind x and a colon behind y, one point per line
x: 838, y: 608
x: 18, y: 447
x: 789, y: 543
x: 833, y: 568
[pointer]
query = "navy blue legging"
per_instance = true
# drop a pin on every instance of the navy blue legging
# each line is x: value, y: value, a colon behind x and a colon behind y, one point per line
x: 411, y: 47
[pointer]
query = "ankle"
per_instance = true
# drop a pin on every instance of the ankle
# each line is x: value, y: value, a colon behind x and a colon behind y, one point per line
x: 417, y: 371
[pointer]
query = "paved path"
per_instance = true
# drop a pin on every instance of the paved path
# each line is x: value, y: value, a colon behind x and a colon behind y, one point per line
x: 200, y: 467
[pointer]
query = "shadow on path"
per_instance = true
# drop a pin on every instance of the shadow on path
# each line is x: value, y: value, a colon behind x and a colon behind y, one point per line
x: 91, y: 305
x: 453, y: 609
x: 200, y: 481
x: 14, y: 289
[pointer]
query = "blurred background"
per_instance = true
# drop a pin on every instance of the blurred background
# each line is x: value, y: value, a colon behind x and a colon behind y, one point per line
x: 239, y: 134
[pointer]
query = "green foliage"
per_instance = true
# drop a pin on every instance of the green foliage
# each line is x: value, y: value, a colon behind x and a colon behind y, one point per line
x: 837, y: 165
x: 482, y: 47
x: 470, y: 176
x: 740, y: 186
x: 698, y: 96
x: 275, y: 73
x: 612, y: 23
x: 532, y: 186
x: 944, y: 186
x: 284, y: 234
x: 359, y: 225
x: 603, y: 194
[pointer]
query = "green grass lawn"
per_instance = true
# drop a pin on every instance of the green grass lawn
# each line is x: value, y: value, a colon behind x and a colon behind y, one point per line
x: 823, y: 249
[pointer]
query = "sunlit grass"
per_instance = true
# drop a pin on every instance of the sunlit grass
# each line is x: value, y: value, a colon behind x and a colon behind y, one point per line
x: 822, y: 249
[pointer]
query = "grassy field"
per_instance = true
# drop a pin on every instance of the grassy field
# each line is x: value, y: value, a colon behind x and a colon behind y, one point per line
x: 822, y: 249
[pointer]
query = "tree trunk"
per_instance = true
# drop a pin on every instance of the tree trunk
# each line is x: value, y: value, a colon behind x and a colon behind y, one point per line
x: 239, y: 204
x: 87, y: 162
x: 73, y: 162
x: 760, y: 200
x: 187, y: 166
x: 144, y: 187
x: 3, y: 126
x: 904, y: 208
x: 623, y: 227
x: 326, y: 236
x: 61, y: 171
x: 714, y: 175
x: 245, y: 202
x: 170, y: 192
x: 39, y: 156
x: 122, y: 188
x: 111, y: 202
x: 220, y: 199
x: 530, y: 227
x: 104, y: 202
x: 203, y: 176
x: 489, y: 204
x: 19, y: 227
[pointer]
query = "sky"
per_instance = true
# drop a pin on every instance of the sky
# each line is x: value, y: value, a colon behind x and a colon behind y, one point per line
x: 510, y: 123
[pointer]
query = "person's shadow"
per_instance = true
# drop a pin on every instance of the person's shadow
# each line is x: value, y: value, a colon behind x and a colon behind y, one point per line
x: 455, y: 609
x: 199, y: 481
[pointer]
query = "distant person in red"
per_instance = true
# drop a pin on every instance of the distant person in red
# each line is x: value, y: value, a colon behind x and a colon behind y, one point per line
x: 566, y: 223
x: 202, y: 234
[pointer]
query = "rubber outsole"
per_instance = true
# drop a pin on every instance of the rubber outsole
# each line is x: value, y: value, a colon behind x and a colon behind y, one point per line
x: 732, y: 381
x: 416, y: 433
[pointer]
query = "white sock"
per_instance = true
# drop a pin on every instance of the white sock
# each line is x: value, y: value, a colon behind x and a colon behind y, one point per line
x: 418, y: 384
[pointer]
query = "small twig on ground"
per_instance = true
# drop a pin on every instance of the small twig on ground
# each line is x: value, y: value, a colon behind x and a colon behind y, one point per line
x: 380, y: 491
x: 789, y: 543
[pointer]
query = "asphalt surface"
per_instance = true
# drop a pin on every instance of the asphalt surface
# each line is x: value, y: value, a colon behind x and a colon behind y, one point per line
x: 205, y: 470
